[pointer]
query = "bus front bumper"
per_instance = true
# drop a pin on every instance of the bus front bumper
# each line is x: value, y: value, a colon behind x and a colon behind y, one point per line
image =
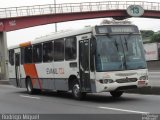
x: 120, y: 86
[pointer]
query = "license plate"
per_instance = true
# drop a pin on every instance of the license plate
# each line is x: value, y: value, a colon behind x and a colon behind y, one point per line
x: 141, y: 82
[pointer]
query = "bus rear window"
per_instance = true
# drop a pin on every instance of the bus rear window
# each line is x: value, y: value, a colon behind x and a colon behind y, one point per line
x: 59, y: 50
x: 37, y: 53
x: 48, y: 52
x: 70, y: 48
x: 26, y: 55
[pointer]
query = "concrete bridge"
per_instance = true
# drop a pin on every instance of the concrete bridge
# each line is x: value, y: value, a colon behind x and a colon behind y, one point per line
x: 28, y: 16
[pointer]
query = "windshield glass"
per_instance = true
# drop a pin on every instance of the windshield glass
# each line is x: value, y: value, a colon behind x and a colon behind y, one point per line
x: 119, y: 52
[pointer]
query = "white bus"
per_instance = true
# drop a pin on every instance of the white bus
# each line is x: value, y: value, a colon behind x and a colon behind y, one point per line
x: 104, y: 58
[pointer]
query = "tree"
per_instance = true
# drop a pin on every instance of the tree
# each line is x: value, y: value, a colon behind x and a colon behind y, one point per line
x: 155, y: 37
x: 146, y: 35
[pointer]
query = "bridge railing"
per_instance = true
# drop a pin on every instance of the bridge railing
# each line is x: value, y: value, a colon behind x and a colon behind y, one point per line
x: 73, y: 8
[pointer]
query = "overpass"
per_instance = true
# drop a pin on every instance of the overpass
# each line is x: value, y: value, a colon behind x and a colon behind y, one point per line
x: 28, y: 16
x: 15, y: 18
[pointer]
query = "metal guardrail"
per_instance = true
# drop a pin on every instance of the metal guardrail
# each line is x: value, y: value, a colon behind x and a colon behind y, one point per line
x: 74, y: 7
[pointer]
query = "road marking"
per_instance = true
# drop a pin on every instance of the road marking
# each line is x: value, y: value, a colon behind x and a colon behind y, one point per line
x: 132, y: 111
x: 29, y: 97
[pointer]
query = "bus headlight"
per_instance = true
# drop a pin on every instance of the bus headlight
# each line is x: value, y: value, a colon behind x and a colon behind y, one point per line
x: 143, y: 78
x: 106, y: 81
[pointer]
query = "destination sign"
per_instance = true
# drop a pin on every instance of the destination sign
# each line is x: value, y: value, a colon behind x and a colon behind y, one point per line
x: 116, y: 29
x: 102, y: 29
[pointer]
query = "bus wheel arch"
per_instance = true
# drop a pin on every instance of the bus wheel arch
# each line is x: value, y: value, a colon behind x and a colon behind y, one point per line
x: 116, y: 94
x: 29, y: 86
x: 26, y: 80
x: 71, y: 81
x: 74, y: 85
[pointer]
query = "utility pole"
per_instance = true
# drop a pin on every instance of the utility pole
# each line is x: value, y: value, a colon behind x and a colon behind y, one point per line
x: 55, y: 13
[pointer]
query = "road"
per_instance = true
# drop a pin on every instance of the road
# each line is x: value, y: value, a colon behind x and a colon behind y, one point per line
x: 16, y: 100
x: 154, y: 78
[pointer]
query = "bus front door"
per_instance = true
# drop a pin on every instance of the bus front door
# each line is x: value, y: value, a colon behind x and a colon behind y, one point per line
x: 84, y: 72
x: 17, y: 68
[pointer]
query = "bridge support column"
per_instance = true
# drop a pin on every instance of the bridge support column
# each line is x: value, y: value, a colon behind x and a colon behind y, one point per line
x: 3, y: 57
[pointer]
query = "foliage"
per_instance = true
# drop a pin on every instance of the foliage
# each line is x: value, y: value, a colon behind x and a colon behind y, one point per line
x: 147, y: 33
x: 155, y: 37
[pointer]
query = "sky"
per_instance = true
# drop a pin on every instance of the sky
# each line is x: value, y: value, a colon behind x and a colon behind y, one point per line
x: 29, y: 34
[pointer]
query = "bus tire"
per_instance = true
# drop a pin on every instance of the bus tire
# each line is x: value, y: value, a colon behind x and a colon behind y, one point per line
x: 29, y: 86
x: 116, y: 94
x: 77, y: 94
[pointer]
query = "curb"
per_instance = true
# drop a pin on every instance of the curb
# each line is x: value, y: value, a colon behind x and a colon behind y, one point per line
x: 150, y: 90
x: 4, y: 82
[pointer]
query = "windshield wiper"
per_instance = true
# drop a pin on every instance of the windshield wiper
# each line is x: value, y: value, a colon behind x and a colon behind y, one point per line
x: 123, y: 59
x: 116, y: 44
x: 126, y: 43
x: 123, y: 63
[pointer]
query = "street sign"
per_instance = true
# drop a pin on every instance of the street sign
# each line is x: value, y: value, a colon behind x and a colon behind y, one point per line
x: 135, y: 10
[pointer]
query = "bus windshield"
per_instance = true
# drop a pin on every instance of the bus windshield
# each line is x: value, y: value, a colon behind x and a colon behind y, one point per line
x: 119, y: 52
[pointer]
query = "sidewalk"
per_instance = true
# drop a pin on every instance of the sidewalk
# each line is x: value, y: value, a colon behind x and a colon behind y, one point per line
x: 154, y: 71
x: 4, y: 82
x: 152, y: 90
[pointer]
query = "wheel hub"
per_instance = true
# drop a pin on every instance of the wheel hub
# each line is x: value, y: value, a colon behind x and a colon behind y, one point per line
x: 29, y: 86
x: 76, y: 90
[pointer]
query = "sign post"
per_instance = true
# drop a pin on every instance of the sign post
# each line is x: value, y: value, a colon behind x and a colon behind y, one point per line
x: 135, y: 10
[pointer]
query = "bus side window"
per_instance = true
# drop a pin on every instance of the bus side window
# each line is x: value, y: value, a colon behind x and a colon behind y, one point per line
x: 59, y: 50
x: 37, y: 53
x: 47, y: 52
x: 11, y: 57
x: 22, y: 55
x: 27, y: 56
x: 70, y: 48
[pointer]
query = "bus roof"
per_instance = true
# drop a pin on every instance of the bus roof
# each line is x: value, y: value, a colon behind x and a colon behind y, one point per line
x: 54, y: 36
x: 63, y: 34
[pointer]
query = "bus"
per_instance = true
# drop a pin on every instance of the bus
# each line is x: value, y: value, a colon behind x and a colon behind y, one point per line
x: 102, y: 58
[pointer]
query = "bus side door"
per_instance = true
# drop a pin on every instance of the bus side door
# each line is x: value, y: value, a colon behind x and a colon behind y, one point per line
x: 17, y: 69
x: 84, y: 68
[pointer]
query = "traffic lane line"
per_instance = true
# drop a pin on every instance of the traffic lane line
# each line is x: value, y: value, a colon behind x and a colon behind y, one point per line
x: 109, y: 108
x: 100, y: 107
x: 124, y: 110
x: 26, y: 96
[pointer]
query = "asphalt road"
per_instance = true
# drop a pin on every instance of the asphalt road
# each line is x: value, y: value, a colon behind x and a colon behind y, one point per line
x: 154, y: 78
x: 16, y: 100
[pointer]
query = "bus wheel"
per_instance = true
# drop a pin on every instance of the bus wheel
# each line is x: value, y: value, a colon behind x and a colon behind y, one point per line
x: 116, y: 94
x: 77, y: 94
x: 29, y: 86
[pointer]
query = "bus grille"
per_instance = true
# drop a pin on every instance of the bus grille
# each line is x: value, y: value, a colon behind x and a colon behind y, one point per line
x: 126, y: 80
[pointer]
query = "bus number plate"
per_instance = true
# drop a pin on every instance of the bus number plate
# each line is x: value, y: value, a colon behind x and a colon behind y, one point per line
x: 141, y: 82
